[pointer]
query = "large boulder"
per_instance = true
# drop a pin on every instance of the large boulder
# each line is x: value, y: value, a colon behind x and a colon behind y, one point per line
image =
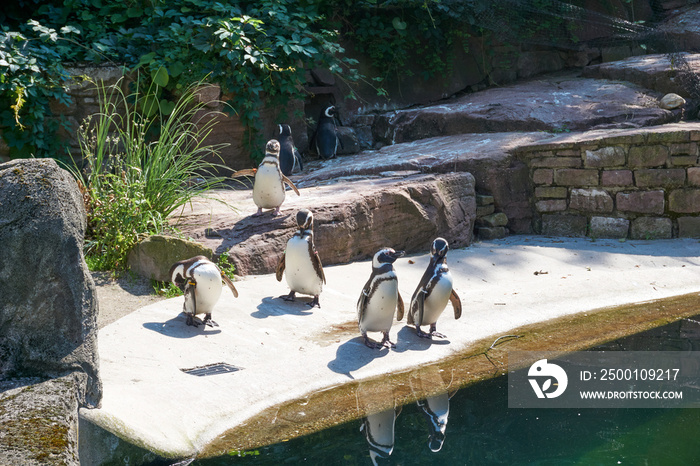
x: 153, y: 256
x: 48, y: 305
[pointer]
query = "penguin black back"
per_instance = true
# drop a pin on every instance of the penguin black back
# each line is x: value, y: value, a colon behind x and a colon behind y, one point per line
x: 326, y: 137
x: 289, y: 155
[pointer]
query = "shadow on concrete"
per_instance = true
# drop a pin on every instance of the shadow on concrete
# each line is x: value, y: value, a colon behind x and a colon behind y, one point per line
x: 177, y: 328
x: 353, y: 355
x: 407, y: 340
x: 271, y: 307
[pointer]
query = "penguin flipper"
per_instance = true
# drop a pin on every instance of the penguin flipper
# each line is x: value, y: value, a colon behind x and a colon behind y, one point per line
x: 399, y: 306
x: 456, y: 304
x: 244, y: 172
x: 318, y: 266
x: 297, y: 159
x: 229, y: 283
x: 291, y: 185
x: 280, y: 267
x: 190, y: 305
x: 420, y: 307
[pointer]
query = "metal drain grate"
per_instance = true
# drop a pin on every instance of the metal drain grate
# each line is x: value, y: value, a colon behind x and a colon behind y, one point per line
x: 212, y: 369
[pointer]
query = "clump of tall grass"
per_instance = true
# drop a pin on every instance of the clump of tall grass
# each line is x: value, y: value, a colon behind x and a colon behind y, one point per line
x: 141, y: 161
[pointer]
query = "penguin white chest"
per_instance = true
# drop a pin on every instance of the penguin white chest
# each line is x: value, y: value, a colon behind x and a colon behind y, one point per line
x: 436, y: 301
x: 381, y: 304
x: 268, y: 189
x: 298, y: 268
x: 208, y: 289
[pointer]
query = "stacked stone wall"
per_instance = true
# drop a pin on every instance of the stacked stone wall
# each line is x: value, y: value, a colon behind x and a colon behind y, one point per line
x: 639, y: 184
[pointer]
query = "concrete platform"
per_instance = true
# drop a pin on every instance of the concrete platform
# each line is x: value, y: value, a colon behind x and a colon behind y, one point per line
x: 286, y: 351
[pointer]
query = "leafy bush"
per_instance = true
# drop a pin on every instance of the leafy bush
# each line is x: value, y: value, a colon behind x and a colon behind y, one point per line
x: 138, y: 172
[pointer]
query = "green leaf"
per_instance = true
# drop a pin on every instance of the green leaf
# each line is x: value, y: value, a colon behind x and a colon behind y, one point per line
x: 160, y: 77
x: 398, y: 24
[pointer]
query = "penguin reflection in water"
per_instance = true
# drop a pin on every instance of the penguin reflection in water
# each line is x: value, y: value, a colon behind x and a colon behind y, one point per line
x: 268, y: 187
x: 200, y: 280
x: 379, y: 298
x: 433, y: 292
x: 379, y: 433
x: 300, y: 262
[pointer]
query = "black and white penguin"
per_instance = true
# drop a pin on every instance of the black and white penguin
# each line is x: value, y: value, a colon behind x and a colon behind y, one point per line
x: 433, y: 292
x: 200, y: 279
x: 300, y: 261
x: 290, y: 159
x: 436, y: 410
x: 325, y: 139
x: 268, y: 187
x: 379, y: 298
x: 379, y: 433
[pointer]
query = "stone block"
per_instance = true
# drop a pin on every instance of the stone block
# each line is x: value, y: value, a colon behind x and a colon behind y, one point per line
x: 591, y: 200
x: 689, y: 227
x: 612, y: 156
x: 609, y: 227
x: 564, y: 225
x: 684, y: 201
x: 482, y: 211
x: 660, y: 177
x: 489, y: 233
x: 616, y: 178
x: 152, y: 257
x: 556, y: 162
x: 494, y: 220
x: 684, y: 160
x: 552, y: 205
x: 554, y: 192
x: 543, y: 176
x: 576, y: 177
x: 648, y: 156
x: 667, y: 137
x: 651, y: 228
x: 483, y: 199
x: 694, y: 176
x: 684, y: 148
x: 643, y: 202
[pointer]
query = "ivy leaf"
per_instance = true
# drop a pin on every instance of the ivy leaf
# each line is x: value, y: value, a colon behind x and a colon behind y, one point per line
x: 398, y: 24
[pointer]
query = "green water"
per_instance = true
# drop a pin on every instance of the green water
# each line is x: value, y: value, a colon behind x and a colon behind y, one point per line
x: 482, y: 430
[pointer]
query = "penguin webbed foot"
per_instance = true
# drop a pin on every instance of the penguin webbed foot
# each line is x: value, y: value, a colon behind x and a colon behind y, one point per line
x: 276, y: 212
x: 208, y: 322
x: 422, y: 334
x: 386, y: 343
x: 191, y: 321
x: 289, y: 297
x: 314, y: 303
x: 369, y: 343
x: 435, y: 333
x: 258, y: 213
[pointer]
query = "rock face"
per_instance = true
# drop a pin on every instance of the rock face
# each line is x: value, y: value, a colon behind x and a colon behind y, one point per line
x: 569, y: 103
x: 153, y: 257
x: 39, y: 423
x: 48, y: 306
x: 351, y: 220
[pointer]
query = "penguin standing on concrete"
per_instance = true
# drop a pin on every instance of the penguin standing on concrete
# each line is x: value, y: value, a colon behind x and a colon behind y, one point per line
x: 300, y: 262
x: 325, y: 139
x: 290, y: 158
x: 200, y: 279
x: 379, y: 298
x: 433, y: 292
x: 268, y: 187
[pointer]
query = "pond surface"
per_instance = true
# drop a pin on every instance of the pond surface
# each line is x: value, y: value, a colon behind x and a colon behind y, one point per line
x: 481, y: 429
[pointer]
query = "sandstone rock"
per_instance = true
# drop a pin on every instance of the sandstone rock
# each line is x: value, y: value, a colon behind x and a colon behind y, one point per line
x: 564, y: 225
x: 567, y: 103
x: 689, y: 227
x: 498, y: 219
x: 491, y: 233
x: 609, y: 227
x: 352, y: 220
x: 153, y: 256
x: 39, y: 423
x: 651, y: 228
x: 48, y: 306
x: 671, y: 101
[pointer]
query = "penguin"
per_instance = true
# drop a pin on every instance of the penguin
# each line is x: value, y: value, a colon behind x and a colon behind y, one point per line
x: 379, y: 298
x: 325, y: 139
x: 200, y: 279
x: 289, y: 155
x: 379, y: 433
x: 436, y: 410
x: 300, y: 262
x: 268, y: 187
x: 433, y: 292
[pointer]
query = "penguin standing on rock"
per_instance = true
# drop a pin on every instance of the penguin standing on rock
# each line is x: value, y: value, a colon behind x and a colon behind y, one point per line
x: 289, y: 155
x: 300, y: 262
x: 268, y: 187
x: 200, y: 279
x: 379, y: 298
x: 433, y: 292
x: 325, y: 139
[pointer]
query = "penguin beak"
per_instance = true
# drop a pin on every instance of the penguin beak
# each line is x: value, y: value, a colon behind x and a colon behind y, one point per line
x: 396, y: 254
